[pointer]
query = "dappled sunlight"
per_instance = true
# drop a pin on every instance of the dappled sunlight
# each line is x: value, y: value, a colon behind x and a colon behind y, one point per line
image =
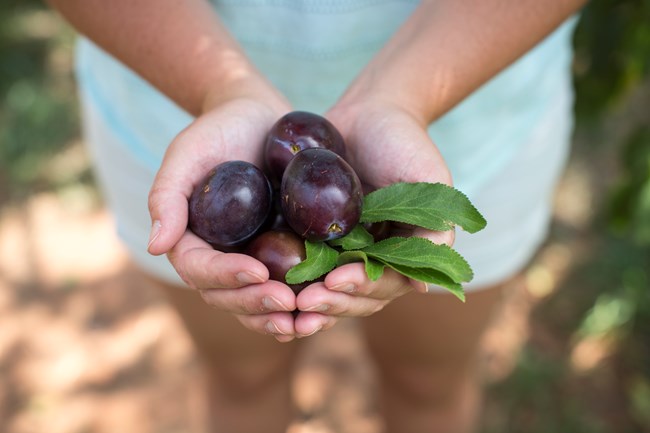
x: 509, y: 332
x: 599, y: 335
x: 334, y: 386
x: 589, y: 352
x: 553, y: 263
x: 86, y: 342
x: 574, y: 201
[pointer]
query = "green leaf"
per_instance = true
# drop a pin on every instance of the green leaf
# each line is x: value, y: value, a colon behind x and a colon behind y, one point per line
x: 421, y: 253
x: 356, y: 239
x: 431, y: 276
x: 434, y: 206
x: 320, y: 260
x: 374, y: 269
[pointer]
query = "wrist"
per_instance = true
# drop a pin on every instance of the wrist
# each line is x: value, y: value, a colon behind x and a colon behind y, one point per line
x: 356, y: 111
x: 246, y: 85
x: 382, y: 130
x: 378, y: 89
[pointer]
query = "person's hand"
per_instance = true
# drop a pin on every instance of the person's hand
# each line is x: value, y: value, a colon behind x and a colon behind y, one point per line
x: 233, y: 130
x: 385, y: 145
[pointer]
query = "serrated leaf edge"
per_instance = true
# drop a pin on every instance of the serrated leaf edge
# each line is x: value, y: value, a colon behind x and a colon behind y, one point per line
x: 446, y: 224
x: 457, y: 255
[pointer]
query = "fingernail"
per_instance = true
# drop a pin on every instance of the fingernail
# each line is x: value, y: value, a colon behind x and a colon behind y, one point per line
x: 272, y: 328
x: 317, y: 308
x: 284, y: 338
x: 247, y: 277
x: 155, y: 231
x: 271, y: 303
x: 311, y: 333
x: 344, y: 287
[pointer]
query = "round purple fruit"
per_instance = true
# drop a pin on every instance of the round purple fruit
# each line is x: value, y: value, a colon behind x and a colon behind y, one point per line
x: 231, y: 204
x: 279, y: 250
x: 321, y: 195
x: 296, y: 131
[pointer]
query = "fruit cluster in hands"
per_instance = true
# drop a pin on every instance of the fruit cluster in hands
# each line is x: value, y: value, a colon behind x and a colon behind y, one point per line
x: 305, y: 213
x: 306, y: 191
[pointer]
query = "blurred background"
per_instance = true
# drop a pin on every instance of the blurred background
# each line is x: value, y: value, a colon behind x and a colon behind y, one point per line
x: 86, y: 345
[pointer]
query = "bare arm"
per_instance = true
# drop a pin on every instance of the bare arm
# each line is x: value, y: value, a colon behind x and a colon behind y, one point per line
x: 180, y: 46
x: 448, y: 48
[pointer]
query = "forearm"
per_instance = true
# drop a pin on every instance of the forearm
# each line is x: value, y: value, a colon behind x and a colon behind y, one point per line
x: 448, y: 48
x: 181, y: 47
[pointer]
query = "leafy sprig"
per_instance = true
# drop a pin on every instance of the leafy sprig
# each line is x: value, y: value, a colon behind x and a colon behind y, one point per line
x: 433, y: 206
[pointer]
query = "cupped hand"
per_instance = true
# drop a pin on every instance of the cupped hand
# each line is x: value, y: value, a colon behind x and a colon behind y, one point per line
x: 385, y: 145
x: 231, y: 282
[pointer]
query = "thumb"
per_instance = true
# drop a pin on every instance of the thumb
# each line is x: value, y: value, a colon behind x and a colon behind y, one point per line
x: 168, y: 208
x: 182, y: 167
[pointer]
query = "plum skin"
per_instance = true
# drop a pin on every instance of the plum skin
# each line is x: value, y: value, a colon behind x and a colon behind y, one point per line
x: 279, y: 251
x: 321, y: 195
x: 296, y: 131
x: 230, y: 204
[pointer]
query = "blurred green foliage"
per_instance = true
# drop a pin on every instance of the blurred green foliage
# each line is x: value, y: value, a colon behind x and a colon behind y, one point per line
x: 629, y: 208
x: 605, y: 299
x: 612, y: 60
x: 612, y: 45
x: 38, y: 109
x: 540, y: 396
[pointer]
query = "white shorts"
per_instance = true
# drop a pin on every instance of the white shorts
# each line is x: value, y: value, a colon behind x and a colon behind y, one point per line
x: 516, y: 202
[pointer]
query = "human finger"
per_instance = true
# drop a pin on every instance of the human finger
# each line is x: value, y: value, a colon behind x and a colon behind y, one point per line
x: 318, y: 299
x: 203, y: 267
x: 353, y: 280
x: 170, y: 192
x: 308, y: 323
x: 253, y: 299
x: 278, y: 324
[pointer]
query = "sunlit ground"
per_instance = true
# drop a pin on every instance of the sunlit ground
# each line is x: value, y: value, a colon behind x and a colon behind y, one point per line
x: 88, y: 345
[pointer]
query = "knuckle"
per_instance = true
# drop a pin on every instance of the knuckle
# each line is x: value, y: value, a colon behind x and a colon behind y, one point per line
x: 205, y: 295
x: 181, y: 269
x: 329, y: 323
x: 363, y: 290
x: 248, y: 305
x: 380, y: 306
x: 155, y: 198
x: 369, y: 312
x: 374, y: 307
x: 220, y: 279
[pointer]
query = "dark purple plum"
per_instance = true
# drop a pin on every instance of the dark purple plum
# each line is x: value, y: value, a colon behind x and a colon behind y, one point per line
x: 275, y: 220
x: 321, y: 195
x: 231, y: 204
x: 379, y: 230
x: 296, y: 131
x: 279, y: 250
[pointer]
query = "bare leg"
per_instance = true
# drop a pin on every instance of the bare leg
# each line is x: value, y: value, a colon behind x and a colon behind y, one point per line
x: 248, y: 374
x: 426, y: 349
